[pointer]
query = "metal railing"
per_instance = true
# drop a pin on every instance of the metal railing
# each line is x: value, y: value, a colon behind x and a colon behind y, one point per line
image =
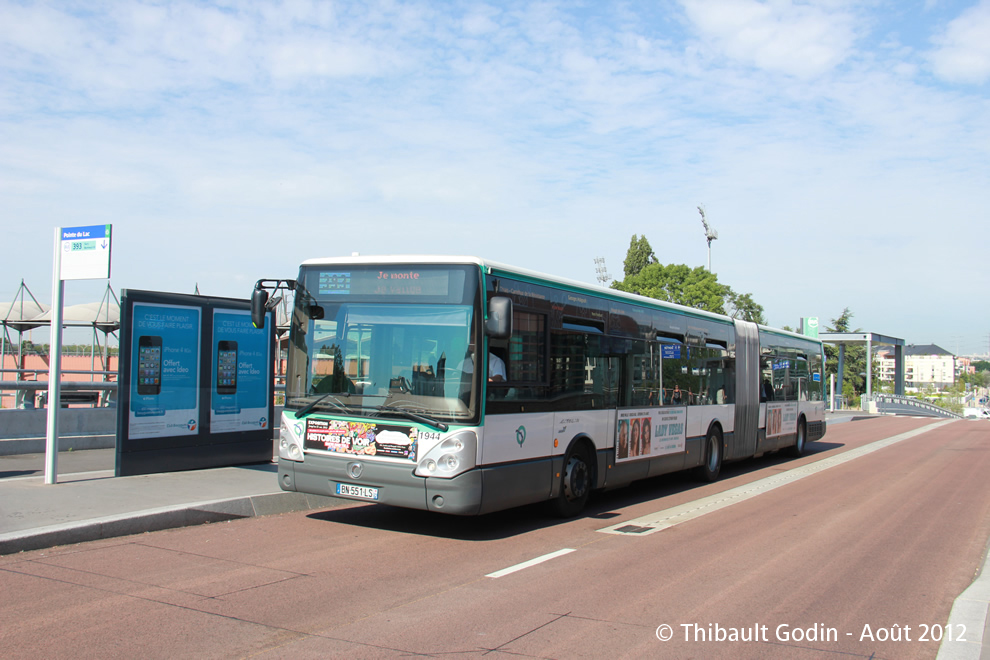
x: 888, y: 403
x: 106, y: 389
x: 64, y: 371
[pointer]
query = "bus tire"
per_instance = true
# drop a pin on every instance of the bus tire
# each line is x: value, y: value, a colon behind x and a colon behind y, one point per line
x: 712, y: 465
x: 797, y: 449
x: 576, y: 483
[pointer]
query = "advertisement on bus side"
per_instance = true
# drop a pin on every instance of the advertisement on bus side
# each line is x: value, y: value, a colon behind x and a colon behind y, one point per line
x: 781, y: 418
x: 651, y: 432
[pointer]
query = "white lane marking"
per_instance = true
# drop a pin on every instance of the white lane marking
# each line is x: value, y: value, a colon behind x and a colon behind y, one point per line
x: 655, y: 522
x: 531, y: 562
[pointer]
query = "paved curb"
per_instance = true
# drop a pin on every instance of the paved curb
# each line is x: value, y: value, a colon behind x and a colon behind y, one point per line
x: 970, y: 613
x: 152, y: 520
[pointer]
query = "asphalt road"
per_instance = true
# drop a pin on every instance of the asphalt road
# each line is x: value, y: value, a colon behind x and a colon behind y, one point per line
x: 833, y: 565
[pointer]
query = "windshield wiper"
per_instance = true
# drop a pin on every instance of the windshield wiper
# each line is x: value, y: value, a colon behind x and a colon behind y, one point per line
x: 305, y: 410
x: 416, y: 417
x: 408, y: 414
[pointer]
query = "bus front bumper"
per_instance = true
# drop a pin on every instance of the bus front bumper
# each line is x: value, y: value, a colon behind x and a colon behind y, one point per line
x: 382, y: 483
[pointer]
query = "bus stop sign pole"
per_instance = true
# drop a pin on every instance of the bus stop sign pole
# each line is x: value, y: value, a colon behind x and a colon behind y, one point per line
x: 54, y: 365
x: 81, y: 253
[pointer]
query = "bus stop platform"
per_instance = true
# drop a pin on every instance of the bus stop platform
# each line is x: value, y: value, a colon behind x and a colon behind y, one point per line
x: 89, y: 503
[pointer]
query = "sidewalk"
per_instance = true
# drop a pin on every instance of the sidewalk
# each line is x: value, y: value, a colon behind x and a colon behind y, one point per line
x: 92, y: 504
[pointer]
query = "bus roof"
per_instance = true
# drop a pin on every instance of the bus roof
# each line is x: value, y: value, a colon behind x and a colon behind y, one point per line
x: 494, y: 267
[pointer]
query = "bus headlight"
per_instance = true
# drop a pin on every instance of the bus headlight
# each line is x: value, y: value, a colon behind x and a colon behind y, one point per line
x: 289, y: 443
x: 453, y: 456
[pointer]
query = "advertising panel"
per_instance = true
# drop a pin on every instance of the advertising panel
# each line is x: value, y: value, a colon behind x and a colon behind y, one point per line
x: 164, y: 371
x: 781, y: 418
x: 239, y: 383
x: 362, y: 438
x: 196, y: 384
x: 650, y: 432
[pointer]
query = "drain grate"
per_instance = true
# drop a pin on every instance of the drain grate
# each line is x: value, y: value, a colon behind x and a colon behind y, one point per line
x: 633, y: 529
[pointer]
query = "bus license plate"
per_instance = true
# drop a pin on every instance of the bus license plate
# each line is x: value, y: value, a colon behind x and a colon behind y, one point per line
x: 363, y: 492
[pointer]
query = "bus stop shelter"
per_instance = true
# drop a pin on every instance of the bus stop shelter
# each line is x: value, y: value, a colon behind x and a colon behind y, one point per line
x: 870, y: 339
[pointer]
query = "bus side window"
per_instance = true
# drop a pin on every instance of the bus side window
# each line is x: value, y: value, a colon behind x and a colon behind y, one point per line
x: 525, y: 358
x: 815, y: 386
x: 727, y: 393
x: 527, y: 348
x: 766, y: 379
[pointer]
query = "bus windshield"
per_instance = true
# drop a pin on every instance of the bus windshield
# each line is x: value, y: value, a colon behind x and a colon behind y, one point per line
x: 398, y: 350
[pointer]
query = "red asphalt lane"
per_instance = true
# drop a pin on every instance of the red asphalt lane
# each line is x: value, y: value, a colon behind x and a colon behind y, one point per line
x: 888, y: 539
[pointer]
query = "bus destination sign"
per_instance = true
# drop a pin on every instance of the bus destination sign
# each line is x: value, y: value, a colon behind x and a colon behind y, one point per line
x: 382, y: 282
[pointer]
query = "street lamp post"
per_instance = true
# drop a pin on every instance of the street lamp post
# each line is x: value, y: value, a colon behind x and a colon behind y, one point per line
x: 710, y: 235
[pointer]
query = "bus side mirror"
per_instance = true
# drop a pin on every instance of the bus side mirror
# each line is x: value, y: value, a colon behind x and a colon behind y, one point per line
x: 259, y: 302
x: 499, y: 323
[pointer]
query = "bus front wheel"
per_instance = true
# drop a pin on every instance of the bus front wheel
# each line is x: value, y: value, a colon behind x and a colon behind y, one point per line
x: 713, y: 456
x: 575, y: 486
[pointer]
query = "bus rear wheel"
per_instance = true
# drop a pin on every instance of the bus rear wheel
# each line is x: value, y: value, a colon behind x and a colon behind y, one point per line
x: 797, y: 449
x: 575, y: 486
x: 713, y: 456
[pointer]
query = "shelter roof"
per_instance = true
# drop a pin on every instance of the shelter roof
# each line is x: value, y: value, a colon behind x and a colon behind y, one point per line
x: 105, y: 316
x: 859, y: 337
x: 20, y: 314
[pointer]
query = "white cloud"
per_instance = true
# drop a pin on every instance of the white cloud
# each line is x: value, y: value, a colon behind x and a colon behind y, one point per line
x: 538, y: 134
x: 38, y: 30
x: 480, y: 21
x: 963, y: 48
x: 316, y: 57
x: 781, y: 36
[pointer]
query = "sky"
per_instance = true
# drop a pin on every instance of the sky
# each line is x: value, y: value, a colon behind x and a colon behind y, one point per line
x: 841, y: 149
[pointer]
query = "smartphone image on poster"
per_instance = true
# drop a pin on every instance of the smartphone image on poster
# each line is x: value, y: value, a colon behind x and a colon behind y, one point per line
x: 149, y: 379
x: 226, y: 367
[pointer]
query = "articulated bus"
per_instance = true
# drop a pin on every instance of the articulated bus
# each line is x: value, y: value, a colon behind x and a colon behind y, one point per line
x: 463, y: 386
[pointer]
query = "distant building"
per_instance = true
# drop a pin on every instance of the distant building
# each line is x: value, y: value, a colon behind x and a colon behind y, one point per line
x: 925, y: 366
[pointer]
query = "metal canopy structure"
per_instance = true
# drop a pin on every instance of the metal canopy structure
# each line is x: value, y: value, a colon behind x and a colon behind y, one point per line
x: 102, y: 316
x: 869, y: 339
x: 26, y: 313
x: 18, y: 316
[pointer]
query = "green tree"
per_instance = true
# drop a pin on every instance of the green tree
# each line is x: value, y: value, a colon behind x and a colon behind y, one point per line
x: 843, y: 323
x: 681, y: 284
x: 742, y: 306
x: 677, y: 283
x: 639, y: 256
x: 979, y: 379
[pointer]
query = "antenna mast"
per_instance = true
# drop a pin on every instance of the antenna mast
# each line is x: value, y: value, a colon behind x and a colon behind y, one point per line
x: 710, y: 234
x: 601, y: 272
